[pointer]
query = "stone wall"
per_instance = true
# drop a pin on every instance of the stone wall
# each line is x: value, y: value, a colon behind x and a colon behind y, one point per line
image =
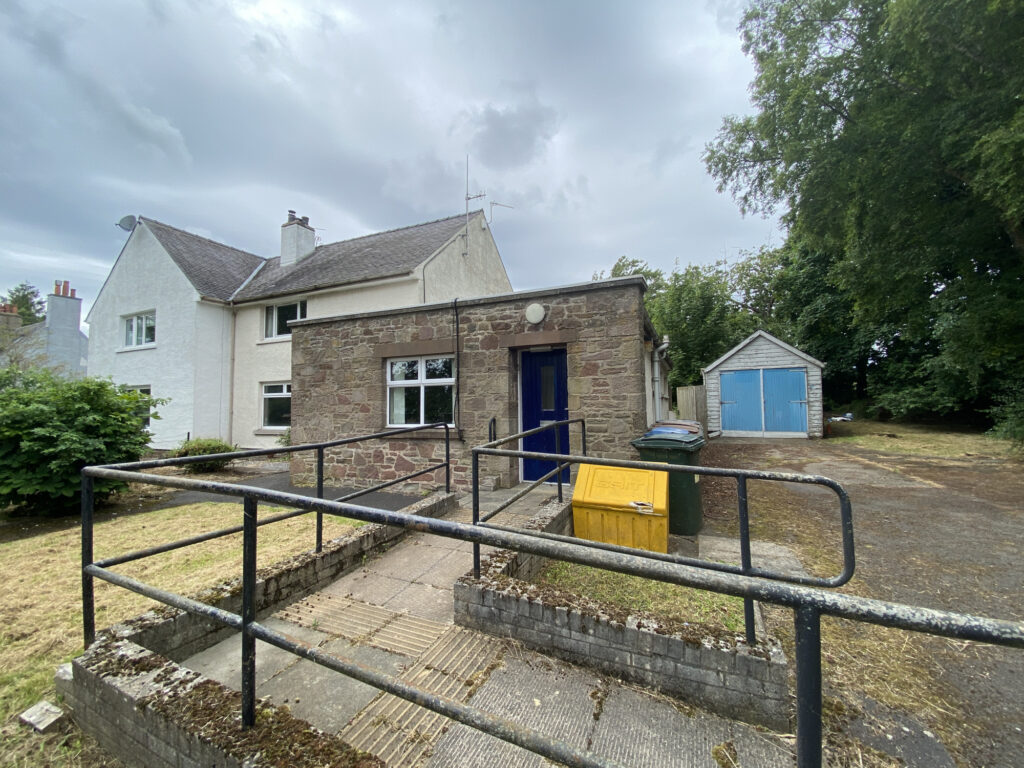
x: 339, y: 388
x: 724, y: 677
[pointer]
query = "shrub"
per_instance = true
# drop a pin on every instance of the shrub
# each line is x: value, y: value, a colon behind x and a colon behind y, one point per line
x: 1008, y: 414
x: 204, y: 446
x: 52, y: 427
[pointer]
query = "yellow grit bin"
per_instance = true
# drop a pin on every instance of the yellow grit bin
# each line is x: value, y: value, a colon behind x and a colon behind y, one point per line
x: 616, y: 505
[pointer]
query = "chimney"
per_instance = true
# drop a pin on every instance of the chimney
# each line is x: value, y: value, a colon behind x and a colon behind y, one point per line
x: 9, y: 317
x: 298, y: 239
x: 63, y: 337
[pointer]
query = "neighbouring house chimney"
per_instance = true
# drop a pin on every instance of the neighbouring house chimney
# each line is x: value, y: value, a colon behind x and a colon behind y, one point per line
x: 298, y: 239
x: 63, y: 336
x: 9, y: 317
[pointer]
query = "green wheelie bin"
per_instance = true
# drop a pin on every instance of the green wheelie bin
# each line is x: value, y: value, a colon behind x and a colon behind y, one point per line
x: 677, y: 442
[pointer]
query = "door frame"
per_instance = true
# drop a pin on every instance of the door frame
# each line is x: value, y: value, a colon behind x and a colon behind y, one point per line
x: 519, y: 395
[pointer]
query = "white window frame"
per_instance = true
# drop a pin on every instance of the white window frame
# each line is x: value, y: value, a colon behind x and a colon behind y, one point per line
x: 285, y: 393
x: 270, y: 319
x: 134, y: 329
x: 420, y: 382
x: 144, y: 389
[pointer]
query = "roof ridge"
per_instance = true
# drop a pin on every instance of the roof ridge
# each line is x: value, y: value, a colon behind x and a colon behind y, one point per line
x: 201, y: 237
x: 399, y: 229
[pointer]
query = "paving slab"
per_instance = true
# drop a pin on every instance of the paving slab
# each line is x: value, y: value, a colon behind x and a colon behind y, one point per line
x: 645, y: 731
x: 534, y: 692
x: 223, y: 662
x: 425, y: 601
x: 325, y: 698
x: 366, y: 586
x: 763, y: 554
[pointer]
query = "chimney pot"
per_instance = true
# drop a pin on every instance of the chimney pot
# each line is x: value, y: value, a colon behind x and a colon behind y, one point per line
x: 67, y: 288
x: 56, y: 287
x: 305, y: 220
x: 291, y: 216
x: 73, y: 293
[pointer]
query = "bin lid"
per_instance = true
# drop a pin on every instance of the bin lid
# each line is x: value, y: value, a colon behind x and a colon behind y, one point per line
x: 686, y: 424
x: 622, y: 489
x: 667, y: 437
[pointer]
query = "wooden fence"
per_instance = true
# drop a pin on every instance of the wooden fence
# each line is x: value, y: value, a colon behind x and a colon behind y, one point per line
x: 691, y: 403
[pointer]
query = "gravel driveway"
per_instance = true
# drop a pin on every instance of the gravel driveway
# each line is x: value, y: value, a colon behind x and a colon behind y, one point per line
x: 938, y: 532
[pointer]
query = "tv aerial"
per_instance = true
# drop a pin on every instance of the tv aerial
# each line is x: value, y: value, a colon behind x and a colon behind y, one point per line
x: 127, y: 223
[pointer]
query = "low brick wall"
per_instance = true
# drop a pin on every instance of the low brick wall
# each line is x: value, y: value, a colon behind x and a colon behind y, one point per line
x: 105, y: 700
x: 724, y: 677
x: 148, y: 711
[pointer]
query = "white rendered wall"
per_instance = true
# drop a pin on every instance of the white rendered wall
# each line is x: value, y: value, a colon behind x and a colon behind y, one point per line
x: 64, y: 340
x: 259, y: 360
x: 144, y: 278
x: 212, y: 371
x: 450, y: 275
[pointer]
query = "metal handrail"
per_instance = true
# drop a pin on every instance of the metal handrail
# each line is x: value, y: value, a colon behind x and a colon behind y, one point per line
x: 741, y: 476
x: 808, y: 603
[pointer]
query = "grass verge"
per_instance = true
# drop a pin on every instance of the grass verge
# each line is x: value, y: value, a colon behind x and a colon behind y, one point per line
x: 920, y: 440
x: 41, y: 615
x: 632, y: 594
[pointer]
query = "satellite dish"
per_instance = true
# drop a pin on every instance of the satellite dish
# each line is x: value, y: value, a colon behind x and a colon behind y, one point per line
x: 127, y: 223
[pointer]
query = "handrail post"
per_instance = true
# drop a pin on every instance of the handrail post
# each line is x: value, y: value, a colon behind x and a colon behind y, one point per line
x: 249, y: 507
x: 583, y: 436
x: 558, y: 464
x: 808, y: 686
x: 476, y: 512
x: 745, y: 562
x: 319, y: 495
x: 88, y: 597
x: 448, y: 461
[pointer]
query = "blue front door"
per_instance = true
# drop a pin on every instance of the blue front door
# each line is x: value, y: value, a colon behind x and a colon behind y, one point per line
x: 785, y: 400
x: 545, y: 398
x: 741, y: 400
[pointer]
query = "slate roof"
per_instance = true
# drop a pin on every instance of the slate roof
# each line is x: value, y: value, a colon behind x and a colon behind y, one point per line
x: 214, y: 269
x: 384, y: 254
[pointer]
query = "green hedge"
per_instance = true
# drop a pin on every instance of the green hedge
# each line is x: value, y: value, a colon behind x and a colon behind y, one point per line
x: 204, y: 446
x: 52, y: 427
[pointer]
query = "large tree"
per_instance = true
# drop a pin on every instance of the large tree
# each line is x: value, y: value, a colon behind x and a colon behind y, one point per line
x: 892, y: 134
x: 31, y: 307
x: 697, y: 311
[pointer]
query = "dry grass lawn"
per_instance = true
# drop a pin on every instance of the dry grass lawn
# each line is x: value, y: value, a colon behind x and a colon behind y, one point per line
x: 919, y: 439
x: 41, y: 616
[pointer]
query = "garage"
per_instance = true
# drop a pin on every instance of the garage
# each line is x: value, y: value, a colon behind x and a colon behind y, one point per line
x: 764, y: 387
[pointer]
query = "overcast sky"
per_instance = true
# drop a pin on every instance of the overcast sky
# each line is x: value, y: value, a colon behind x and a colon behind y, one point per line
x: 217, y: 117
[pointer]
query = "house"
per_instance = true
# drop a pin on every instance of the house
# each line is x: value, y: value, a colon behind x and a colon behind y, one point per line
x: 56, y: 343
x: 205, y: 326
x: 763, y: 387
x: 580, y: 351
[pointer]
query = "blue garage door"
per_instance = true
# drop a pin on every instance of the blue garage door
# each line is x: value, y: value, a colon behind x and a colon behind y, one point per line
x: 741, y: 400
x: 785, y: 400
x: 764, y: 400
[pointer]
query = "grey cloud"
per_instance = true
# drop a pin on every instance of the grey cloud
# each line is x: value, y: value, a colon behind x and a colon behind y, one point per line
x: 516, y: 135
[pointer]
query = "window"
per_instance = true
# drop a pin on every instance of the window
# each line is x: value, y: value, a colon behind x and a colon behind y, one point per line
x: 421, y: 390
x: 277, y: 406
x: 144, y: 412
x: 276, y: 317
x: 140, y: 329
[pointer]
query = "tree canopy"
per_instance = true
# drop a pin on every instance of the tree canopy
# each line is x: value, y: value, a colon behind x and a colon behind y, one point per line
x: 31, y: 307
x: 891, y: 134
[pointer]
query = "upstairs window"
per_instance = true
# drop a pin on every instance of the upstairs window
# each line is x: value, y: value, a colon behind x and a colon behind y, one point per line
x: 277, y: 317
x: 421, y: 390
x: 140, y: 329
